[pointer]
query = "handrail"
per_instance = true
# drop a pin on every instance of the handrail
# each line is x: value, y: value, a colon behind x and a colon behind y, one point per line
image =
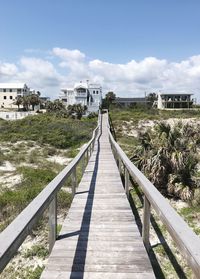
x: 14, y: 235
x: 186, y: 240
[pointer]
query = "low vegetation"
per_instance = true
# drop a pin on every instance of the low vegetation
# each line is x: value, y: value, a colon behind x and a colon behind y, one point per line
x: 138, y: 113
x: 168, y: 157
x: 165, y: 147
x: 32, y: 151
x: 48, y: 129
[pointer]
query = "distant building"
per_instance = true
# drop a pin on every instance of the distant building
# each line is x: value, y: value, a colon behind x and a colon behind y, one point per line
x: 174, y: 101
x: 9, y: 93
x: 129, y: 101
x: 86, y: 94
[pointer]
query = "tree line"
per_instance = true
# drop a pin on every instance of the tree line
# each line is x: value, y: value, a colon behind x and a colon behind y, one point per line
x: 28, y: 101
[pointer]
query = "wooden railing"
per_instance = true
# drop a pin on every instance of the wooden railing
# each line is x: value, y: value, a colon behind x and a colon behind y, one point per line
x: 186, y: 240
x: 14, y: 235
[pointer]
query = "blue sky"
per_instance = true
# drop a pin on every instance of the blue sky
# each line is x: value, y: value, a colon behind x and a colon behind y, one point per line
x: 130, y: 46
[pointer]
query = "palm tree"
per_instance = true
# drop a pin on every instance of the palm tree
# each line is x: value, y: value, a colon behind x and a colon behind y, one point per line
x: 26, y: 102
x: 18, y: 101
x: 167, y: 155
x: 34, y: 100
x: 76, y: 110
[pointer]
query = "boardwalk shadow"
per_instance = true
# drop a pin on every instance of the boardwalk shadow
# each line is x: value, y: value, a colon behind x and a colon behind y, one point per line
x: 82, y: 243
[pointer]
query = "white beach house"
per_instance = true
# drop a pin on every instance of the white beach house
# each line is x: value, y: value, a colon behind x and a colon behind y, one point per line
x: 9, y: 93
x: 83, y: 93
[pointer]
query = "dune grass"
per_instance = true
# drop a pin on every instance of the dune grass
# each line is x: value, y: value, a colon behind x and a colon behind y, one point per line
x: 58, y: 132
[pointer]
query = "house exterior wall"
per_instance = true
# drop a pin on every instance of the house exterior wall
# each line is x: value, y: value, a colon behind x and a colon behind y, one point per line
x: 7, y: 99
x: 9, y: 93
x: 86, y: 94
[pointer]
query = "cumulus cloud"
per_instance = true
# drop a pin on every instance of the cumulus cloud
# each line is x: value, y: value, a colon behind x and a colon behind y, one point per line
x: 7, y: 69
x: 38, y: 72
x: 129, y: 79
x: 67, y: 54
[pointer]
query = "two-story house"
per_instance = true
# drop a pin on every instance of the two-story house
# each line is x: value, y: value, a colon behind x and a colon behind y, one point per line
x: 174, y: 101
x: 9, y: 93
x: 83, y: 93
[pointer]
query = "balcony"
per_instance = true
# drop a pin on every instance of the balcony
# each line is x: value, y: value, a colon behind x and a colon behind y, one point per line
x: 80, y: 94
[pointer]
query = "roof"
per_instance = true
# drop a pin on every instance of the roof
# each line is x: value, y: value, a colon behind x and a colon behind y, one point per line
x: 175, y: 94
x: 129, y: 100
x: 12, y: 85
x: 94, y: 85
x: 67, y: 89
x: 81, y: 85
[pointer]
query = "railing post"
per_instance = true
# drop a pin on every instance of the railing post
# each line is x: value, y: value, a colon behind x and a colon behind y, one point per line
x: 146, y: 223
x: 74, y: 182
x: 91, y: 148
x: 87, y: 156
x: 114, y: 152
x: 83, y: 163
x: 52, y: 222
x: 120, y: 165
x: 126, y: 182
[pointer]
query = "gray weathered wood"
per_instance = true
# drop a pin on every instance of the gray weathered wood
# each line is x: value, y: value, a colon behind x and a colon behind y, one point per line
x: 74, y: 182
x: 83, y: 165
x: 52, y: 222
x: 87, y: 156
x: 99, y: 237
x: 146, y: 223
x: 127, y: 179
x: 120, y: 165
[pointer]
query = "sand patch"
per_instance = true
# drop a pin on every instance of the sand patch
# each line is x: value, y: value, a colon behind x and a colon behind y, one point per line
x: 7, y: 167
x: 59, y: 160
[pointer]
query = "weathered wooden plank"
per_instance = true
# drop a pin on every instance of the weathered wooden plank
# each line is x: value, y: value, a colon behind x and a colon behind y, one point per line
x: 96, y: 275
x: 138, y: 267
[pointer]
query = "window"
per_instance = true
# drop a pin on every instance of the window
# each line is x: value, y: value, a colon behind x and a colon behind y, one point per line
x: 10, y: 90
x: 4, y: 90
x: 11, y: 97
x: 93, y: 91
x: 97, y: 92
x: 4, y: 97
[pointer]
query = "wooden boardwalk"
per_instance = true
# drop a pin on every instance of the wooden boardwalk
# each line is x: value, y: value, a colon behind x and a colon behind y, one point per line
x: 99, y: 238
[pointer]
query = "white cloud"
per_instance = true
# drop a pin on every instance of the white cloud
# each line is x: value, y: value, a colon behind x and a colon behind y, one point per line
x: 67, y: 54
x: 7, y: 69
x: 40, y: 74
x: 129, y: 79
x: 38, y: 69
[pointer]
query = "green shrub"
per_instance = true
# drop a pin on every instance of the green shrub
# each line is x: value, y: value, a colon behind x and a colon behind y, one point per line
x: 33, y: 156
x: 64, y: 199
x: 36, y: 250
x: 58, y: 132
x: 2, y: 158
x: 12, y: 202
x: 30, y: 273
x: 49, y: 151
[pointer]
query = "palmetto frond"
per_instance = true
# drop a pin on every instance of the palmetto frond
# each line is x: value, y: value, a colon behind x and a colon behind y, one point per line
x: 167, y: 156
